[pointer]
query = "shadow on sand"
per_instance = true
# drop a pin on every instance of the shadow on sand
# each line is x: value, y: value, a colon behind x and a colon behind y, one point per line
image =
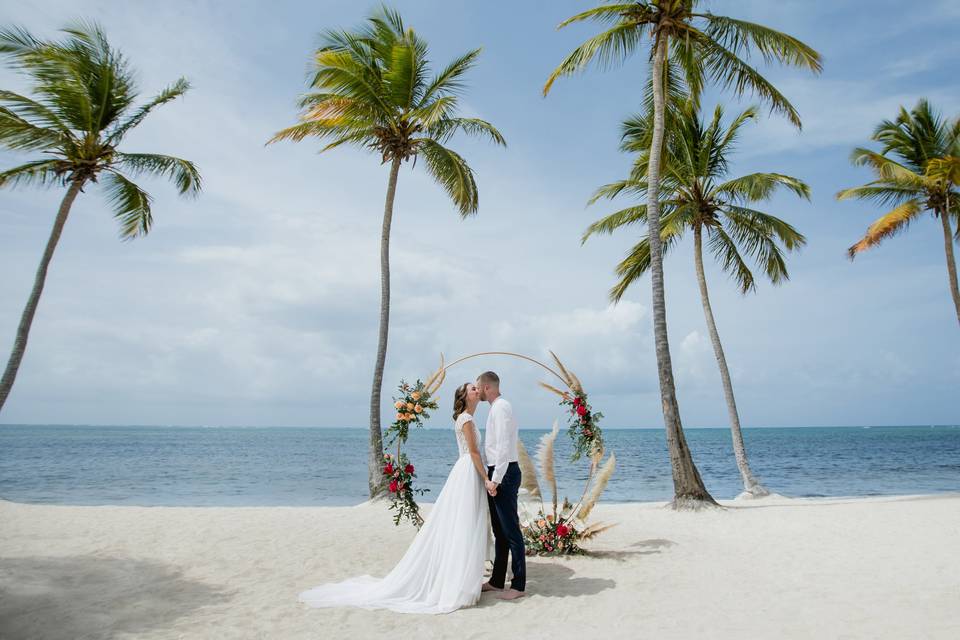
x: 94, y: 597
x: 554, y: 581
x: 644, y: 548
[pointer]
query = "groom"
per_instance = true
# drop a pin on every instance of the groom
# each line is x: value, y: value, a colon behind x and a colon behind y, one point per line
x: 503, y: 473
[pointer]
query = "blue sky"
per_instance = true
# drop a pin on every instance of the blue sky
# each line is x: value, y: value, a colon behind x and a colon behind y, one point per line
x: 257, y: 303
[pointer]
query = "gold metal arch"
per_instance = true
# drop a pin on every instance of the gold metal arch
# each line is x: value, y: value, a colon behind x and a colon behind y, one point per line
x: 571, y: 381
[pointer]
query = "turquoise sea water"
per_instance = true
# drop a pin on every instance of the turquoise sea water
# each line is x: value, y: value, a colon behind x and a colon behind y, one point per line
x: 211, y: 466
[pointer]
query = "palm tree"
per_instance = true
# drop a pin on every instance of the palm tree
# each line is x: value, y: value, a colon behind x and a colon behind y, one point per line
x: 698, y: 196
x: 373, y: 88
x: 701, y: 45
x: 917, y: 170
x: 83, y: 107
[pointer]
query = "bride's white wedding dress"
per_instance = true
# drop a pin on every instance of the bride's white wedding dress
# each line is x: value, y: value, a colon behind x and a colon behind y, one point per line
x: 442, y: 569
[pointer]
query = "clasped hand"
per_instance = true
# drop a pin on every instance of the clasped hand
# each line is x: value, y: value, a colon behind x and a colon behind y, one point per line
x: 491, y: 487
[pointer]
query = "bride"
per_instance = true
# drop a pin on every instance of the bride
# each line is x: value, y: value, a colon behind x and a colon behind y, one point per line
x: 442, y: 569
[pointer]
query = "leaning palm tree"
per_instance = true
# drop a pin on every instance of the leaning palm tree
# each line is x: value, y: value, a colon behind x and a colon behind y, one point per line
x: 917, y: 170
x: 702, y: 45
x: 81, y: 110
x: 699, y: 196
x: 373, y: 88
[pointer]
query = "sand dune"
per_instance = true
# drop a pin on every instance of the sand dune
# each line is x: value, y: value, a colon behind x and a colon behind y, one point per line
x: 780, y: 568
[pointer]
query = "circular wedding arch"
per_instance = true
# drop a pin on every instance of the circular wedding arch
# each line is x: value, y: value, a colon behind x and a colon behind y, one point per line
x: 583, y: 429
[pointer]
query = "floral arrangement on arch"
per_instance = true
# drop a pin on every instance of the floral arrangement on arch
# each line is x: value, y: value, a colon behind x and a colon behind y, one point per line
x: 583, y: 423
x: 413, y: 404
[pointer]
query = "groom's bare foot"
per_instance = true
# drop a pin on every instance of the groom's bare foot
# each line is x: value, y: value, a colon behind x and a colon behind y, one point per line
x: 489, y: 587
x: 511, y: 594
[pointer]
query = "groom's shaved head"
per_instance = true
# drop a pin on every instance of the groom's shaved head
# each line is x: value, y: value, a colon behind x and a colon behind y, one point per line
x: 489, y: 378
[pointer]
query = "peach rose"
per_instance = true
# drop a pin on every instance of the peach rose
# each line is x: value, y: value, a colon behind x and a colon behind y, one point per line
x: 418, y: 408
x: 415, y: 395
x: 399, y: 404
x: 400, y: 416
x: 409, y: 406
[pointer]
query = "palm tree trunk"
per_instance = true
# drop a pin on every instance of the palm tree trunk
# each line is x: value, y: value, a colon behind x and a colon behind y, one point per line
x: 688, y: 489
x: 375, y: 479
x: 951, y: 261
x: 26, y: 320
x: 750, y: 484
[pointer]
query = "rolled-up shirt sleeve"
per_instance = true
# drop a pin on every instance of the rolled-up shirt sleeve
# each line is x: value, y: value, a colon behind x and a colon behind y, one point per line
x: 502, y: 423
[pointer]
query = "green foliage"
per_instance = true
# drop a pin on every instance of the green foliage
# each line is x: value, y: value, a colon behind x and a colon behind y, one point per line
x: 373, y: 88
x: 916, y: 170
x: 82, y: 108
x: 696, y: 193
x: 701, y: 46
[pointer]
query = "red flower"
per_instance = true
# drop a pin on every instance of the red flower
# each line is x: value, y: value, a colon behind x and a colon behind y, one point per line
x: 388, y: 470
x: 393, y: 487
x: 563, y: 530
x: 408, y: 468
x: 577, y: 401
x: 581, y: 410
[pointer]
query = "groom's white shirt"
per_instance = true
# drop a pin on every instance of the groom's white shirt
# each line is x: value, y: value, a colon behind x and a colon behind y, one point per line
x: 500, y: 438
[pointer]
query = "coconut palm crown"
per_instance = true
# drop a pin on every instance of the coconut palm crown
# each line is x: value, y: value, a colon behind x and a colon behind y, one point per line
x: 698, y: 195
x: 375, y: 90
x: 916, y: 170
x: 704, y: 47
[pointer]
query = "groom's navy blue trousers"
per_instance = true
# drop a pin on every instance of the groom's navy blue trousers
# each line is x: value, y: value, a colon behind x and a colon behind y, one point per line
x: 506, y: 531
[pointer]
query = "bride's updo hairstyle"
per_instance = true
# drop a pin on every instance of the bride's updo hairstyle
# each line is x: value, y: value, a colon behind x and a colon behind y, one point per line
x: 460, y: 400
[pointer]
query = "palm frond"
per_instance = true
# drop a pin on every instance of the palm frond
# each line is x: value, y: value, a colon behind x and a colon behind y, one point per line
x: 131, y: 205
x: 755, y: 187
x: 616, y: 220
x: 41, y: 173
x: 452, y: 172
x: 608, y: 48
x: 169, y: 94
x: 633, y: 267
x: 758, y: 232
x: 883, y: 192
x: 608, y: 13
x: 728, y: 70
x: 31, y: 110
x: 18, y: 134
x: 450, y: 80
x: 888, y: 225
x: 183, y: 173
x: 447, y: 127
x: 886, y: 168
x: 738, y: 36
x: 725, y: 251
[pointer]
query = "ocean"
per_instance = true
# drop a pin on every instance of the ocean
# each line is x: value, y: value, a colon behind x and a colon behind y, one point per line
x: 269, y: 466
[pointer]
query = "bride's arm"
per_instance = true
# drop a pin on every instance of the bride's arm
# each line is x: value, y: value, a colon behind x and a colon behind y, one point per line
x: 470, y: 433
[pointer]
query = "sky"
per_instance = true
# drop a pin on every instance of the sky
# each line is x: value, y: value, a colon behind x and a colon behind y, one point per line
x: 257, y: 303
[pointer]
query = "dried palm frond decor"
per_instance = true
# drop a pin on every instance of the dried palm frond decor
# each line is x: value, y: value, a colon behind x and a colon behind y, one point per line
x: 562, y: 529
x: 412, y: 408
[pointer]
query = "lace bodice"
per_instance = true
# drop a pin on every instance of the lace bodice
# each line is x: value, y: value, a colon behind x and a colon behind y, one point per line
x: 462, y: 419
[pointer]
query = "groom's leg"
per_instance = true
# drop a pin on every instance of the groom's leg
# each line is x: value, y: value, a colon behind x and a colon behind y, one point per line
x: 501, y: 547
x: 510, y: 524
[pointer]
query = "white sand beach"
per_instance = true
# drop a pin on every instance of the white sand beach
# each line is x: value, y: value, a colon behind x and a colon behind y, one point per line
x: 781, y: 568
